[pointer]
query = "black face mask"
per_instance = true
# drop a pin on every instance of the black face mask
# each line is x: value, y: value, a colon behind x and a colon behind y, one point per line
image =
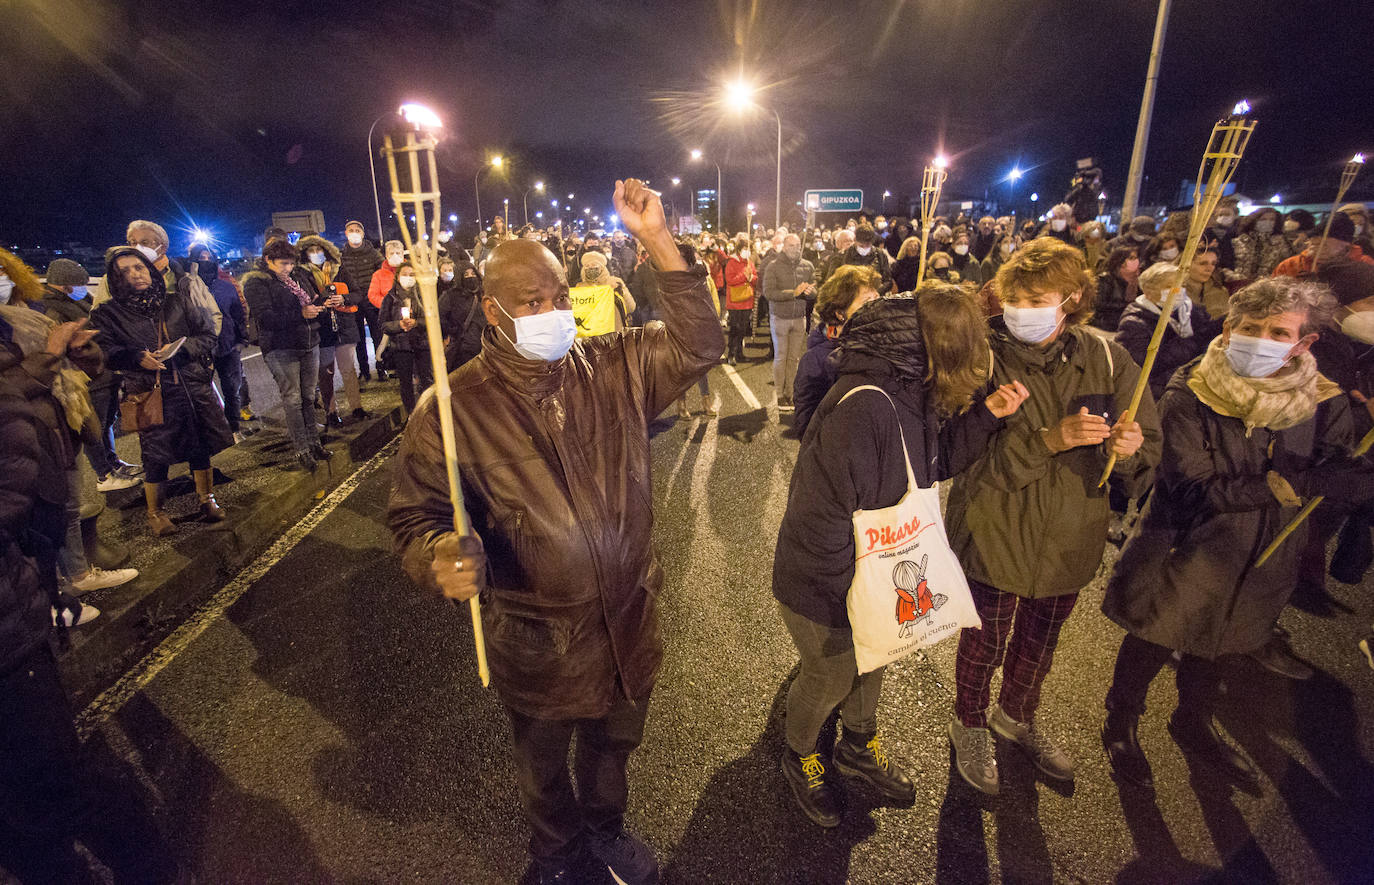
x: 208, y: 269
x: 471, y: 284
x: 941, y: 272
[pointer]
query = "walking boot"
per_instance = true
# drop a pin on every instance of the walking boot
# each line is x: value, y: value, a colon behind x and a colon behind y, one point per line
x: 1123, y: 749
x: 210, y: 510
x: 860, y: 755
x: 975, y: 756
x: 1198, y: 738
x: 1047, y: 756
x: 805, y: 775
x: 159, y: 523
x: 98, y: 553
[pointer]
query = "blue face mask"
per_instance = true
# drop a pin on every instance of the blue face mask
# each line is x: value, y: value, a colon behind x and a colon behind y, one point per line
x: 1256, y: 357
x: 77, y: 293
x: 1032, y: 324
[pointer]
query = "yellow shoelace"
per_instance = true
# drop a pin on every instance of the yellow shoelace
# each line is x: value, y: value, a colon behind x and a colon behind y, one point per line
x: 878, y: 753
x: 814, y: 770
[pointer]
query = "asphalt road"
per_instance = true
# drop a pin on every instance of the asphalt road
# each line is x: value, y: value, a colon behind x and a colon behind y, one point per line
x: 329, y: 725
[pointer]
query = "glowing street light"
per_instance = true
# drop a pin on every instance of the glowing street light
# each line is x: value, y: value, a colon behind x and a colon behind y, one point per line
x: 495, y: 162
x: 697, y: 156
x: 677, y: 181
x: 201, y: 235
x: 1035, y: 198
x: 453, y: 217
x: 1276, y: 199
x: 586, y: 210
x: 525, y: 200
x: 1015, y: 174
x: 739, y: 97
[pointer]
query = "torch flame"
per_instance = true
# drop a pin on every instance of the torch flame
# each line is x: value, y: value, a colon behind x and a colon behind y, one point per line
x: 1241, y: 109
x: 420, y: 116
x: 1358, y: 158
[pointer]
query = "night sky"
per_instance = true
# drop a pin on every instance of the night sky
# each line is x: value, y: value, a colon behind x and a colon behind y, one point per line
x: 222, y: 112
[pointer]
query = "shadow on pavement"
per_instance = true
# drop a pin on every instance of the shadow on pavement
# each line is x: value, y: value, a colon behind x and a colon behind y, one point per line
x: 746, y: 827
x: 205, y: 814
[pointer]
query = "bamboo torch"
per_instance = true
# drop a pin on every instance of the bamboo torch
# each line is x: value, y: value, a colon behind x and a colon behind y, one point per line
x: 411, y: 141
x: 1360, y: 450
x: 1347, y: 179
x: 1225, y: 147
x: 931, y: 183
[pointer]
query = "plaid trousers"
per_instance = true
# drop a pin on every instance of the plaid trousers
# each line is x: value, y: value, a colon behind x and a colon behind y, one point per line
x: 1033, y: 625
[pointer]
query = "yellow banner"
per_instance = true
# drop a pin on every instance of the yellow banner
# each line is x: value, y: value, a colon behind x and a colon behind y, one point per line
x: 594, y: 307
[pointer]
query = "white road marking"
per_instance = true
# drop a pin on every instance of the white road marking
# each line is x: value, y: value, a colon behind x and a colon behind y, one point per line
x: 744, y: 391
x: 252, y: 356
x: 141, y: 674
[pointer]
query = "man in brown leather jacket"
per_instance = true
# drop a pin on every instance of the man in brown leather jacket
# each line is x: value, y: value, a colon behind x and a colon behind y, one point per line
x: 553, y: 452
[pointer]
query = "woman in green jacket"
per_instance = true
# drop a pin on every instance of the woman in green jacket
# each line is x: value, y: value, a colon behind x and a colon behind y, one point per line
x: 1028, y: 519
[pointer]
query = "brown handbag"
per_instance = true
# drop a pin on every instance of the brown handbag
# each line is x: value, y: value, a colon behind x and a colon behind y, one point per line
x: 139, y: 411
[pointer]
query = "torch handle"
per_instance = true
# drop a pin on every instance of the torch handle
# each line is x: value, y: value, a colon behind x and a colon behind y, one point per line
x: 1152, y: 351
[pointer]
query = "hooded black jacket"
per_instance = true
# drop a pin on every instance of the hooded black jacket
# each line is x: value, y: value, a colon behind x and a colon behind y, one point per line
x: 851, y: 457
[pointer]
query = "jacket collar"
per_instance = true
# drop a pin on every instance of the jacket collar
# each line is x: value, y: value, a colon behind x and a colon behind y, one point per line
x: 532, y: 378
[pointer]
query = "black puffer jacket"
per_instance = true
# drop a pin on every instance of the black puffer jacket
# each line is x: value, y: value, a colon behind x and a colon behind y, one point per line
x: 460, y: 315
x: 851, y: 456
x: 361, y: 262
x: 277, y: 311
x: 26, y: 474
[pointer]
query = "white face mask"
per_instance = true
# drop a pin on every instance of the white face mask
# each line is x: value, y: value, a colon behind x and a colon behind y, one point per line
x: 1032, y: 324
x: 544, y: 337
x: 445, y: 236
x: 1008, y: 248
x: 818, y: 246
x: 1359, y: 229
x: 1168, y: 254
x: 961, y: 249
x: 446, y: 276
x: 744, y: 254
x: 394, y: 260
x: 1264, y: 227
x: 1256, y: 357
x: 1094, y: 234
x: 6, y: 287
x: 1059, y: 224
x: 1290, y: 227
x: 406, y: 282
x: 1226, y: 220
x: 864, y: 250
x: 148, y: 252
x: 1359, y: 326
x: 355, y: 239
x: 316, y: 258
x: 77, y: 293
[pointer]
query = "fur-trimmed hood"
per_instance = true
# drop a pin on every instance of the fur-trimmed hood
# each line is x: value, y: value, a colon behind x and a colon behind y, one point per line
x: 329, y: 248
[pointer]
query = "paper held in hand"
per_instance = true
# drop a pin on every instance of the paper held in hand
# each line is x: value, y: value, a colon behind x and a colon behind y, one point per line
x: 169, y: 350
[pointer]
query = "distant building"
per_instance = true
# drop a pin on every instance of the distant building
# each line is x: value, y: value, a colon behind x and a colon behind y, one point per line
x: 707, y: 205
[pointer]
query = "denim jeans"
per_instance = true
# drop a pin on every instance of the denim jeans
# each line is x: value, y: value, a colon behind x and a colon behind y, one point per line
x: 229, y: 368
x: 296, y: 373
x: 829, y: 678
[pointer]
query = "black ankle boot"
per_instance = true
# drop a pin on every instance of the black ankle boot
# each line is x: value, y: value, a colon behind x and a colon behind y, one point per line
x: 806, y: 776
x: 1199, y: 739
x: 1123, y: 749
x: 859, y: 755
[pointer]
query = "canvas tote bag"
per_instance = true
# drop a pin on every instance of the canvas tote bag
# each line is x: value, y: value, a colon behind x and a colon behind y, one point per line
x: 909, y: 590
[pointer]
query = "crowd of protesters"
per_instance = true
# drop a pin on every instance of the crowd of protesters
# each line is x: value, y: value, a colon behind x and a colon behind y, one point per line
x: 1008, y: 371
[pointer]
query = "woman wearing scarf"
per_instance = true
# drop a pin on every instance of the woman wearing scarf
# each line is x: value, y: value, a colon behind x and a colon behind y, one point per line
x: 930, y: 356
x: 140, y: 318
x: 288, y: 333
x: 1117, y: 286
x: 403, y: 321
x: 1186, y: 337
x: 1251, y: 430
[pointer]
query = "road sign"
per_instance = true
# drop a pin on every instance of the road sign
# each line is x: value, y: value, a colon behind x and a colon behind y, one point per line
x: 839, y: 200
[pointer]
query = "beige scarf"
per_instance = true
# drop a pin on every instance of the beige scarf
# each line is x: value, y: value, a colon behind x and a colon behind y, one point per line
x: 70, y: 385
x: 1277, y: 403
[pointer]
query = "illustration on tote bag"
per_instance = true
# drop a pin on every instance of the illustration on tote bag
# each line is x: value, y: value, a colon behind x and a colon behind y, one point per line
x: 914, y: 597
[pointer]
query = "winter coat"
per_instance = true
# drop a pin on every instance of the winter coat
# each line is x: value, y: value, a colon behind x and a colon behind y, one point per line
x: 461, y: 320
x: 61, y: 307
x: 337, y: 327
x: 815, y: 374
x: 626, y: 259
x: 417, y: 339
x: 233, y: 330
x: 877, y: 259
x: 969, y: 269
x: 24, y: 613
x: 554, y: 461
x: 1258, y: 254
x: 1138, y: 325
x: 1186, y: 580
x: 383, y: 278
x: 851, y: 459
x: 1113, y: 295
x: 739, y: 272
x: 780, y: 283
x: 1301, y: 263
x: 644, y: 290
x: 125, y: 334
x: 1211, y: 295
x: 905, y: 272
x: 361, y: 263
x: 277, y: 311
x: 1033, y: 523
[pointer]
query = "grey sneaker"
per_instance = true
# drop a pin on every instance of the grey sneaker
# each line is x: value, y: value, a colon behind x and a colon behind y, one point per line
x: 974, y: 756
x: 1052, y: 761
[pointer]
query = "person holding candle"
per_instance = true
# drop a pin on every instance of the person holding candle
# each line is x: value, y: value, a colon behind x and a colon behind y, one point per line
x: 403, y: 320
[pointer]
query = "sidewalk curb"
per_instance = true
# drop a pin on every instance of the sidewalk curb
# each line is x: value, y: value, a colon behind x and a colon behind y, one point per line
x: 169, y: 590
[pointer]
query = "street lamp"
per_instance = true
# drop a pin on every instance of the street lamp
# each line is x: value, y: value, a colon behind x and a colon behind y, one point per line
x: 739, y: 97
x: 697, y: 155
x: 496, y: 162
x: 539, y: 186
x: 505, y: 213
